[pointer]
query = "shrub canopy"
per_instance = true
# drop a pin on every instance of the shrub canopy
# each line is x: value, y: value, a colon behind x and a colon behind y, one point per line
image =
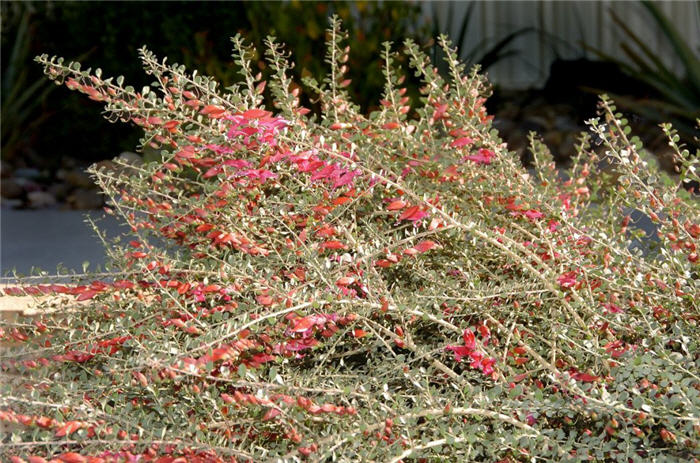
x: 365, y: 288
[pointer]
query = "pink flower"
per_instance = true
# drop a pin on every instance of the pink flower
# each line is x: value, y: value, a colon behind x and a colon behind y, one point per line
x: 413, y: 213
x: 484, y: 332
x: 257, y: 174
x: 567, y: 280
x: 440, y: 111
x: 476, y: 357
x: 237, y: 163
x: 483, y: 156
x: 478, y: 360
x: 612, y: 308
x: 326, y: 172
x: 295, y: 345
x: 484, y: 364
x: 345, y: 178
x: 460, y: 142
x: 584, y: 377
x: 459, y: 351
x: 309, y: 165
x: 425, y: 246
x: 533, y: 214
x: 218, y: 149
x: 469, y: 339
x: 565, y: 201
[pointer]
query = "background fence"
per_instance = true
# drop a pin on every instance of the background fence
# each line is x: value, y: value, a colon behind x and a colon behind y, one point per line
x: 560, y: 28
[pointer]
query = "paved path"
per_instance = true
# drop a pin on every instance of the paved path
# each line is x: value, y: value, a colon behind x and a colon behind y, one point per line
x: 47, y: 238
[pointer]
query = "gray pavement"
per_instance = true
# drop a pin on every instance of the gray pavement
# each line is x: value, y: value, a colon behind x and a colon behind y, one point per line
x: 48, y: 238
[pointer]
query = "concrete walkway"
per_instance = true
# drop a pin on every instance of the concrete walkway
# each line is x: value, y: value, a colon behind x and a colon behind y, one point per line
x: 48, y: 238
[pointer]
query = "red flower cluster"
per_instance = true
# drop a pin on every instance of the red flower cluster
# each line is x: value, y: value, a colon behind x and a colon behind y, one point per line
x: 469, y: 349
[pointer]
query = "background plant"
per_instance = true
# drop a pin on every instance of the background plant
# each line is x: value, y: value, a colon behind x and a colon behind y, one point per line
x: 22, y: 96
x: 186, y: 33
x: 363, y: 288
x: 677, y: 98
x: 486, y: 53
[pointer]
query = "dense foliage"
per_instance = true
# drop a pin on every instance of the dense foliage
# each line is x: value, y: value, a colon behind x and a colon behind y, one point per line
x: 388, y: 287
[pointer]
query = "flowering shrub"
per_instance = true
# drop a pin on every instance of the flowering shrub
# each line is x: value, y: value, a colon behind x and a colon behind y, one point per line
x: 387, y: 287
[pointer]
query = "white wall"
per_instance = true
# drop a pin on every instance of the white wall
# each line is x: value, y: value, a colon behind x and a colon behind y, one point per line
x: 571, y: 22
